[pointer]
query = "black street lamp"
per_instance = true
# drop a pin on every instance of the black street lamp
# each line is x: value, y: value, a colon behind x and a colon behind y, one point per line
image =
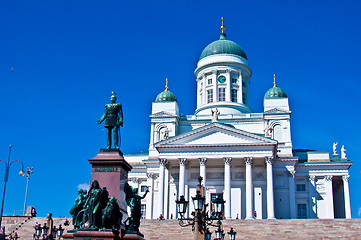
x: 37, y: 231
x: 59, y: 231
x: 200, y: 217
x: 6, y: 177
x: 232, y: 234
x: 219, y: 233
x: 42, y: 231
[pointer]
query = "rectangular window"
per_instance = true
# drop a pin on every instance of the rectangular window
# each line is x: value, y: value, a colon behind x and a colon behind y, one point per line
x: 143, y: 210
x: 301, y: 187
x: 143, y: 188
x: 209, y: 81
x: 210, y: 96
x: 221, y: 94
x: 301, y: 211
x: 234, y: 80
x: 234, y: 95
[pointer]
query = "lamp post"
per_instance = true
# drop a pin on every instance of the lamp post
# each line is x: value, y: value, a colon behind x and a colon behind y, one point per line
x: 6, y: 176
x: 41, y: 232
x: 27, y: 175
x: 200, y: 218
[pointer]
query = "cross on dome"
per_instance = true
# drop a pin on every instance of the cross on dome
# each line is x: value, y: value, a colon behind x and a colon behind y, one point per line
x: 222, y: 27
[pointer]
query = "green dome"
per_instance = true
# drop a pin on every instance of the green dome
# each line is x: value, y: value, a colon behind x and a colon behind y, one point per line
x: 223, y: 46
x: 166, y: 96
x: 275, y: 92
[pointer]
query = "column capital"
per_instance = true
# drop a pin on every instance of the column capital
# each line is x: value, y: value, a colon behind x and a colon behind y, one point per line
x: 150, y: 175
x: 227, y: 160
x: 328, y: 178
x: 345, y: 178
x: 293, y: 173
x: 311, y: 178
x: 162, y: 161
x: 248, y: 160
x: 182, y: 161
x: 269, y: 159
x: 202, y: 161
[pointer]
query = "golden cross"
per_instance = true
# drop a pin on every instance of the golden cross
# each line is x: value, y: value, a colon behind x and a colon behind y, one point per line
x: 274, y: 80
x: 222, y: 27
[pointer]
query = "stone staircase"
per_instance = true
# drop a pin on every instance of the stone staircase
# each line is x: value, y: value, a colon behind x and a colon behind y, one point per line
x: 24, y: 225
x: 261, y: 229
x: 246, y: 229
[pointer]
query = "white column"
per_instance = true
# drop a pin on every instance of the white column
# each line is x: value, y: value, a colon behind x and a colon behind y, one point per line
x: 151, y: 144
x: 166, y: 194
x: 150, y: 184
x: 346, y: 192
x: 228, y: 88
x: 291, y: 184
x: 214, y: 83
x: 162, y: 162
x: 202, y: 171
x: 329, y: 196
x: 249, y: 202
x: 312, y: 196
x: 182, y: 170
x: 270, y: 198
x: 227, y: 187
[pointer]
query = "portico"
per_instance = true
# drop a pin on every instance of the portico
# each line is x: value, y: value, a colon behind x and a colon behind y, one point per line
x: 226, y: 167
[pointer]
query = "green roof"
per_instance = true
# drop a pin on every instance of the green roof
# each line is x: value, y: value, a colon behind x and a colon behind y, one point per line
x: 166, y: 96
x: 275, y: 92
x: 223, y: 46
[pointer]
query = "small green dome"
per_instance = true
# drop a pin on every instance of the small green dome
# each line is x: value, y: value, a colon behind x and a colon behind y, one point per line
x: 166, y: 96
x: 275, y: 92
x: 223, y: 46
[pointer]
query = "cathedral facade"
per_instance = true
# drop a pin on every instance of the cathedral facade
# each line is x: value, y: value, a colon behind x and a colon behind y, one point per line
x: 247, y: 158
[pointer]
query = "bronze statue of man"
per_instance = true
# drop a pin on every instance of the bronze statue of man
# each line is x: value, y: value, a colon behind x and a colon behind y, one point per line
x: 113, y: 116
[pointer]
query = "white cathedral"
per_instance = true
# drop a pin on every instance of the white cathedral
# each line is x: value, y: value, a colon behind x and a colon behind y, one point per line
x: 247, y: 158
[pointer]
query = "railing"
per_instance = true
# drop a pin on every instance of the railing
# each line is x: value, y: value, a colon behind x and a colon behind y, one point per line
x: 222, y: 116
x: 13, y: 212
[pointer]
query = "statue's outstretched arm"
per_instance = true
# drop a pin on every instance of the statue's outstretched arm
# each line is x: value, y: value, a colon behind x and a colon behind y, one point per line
x: 104, y: 115
x: 145, y: 194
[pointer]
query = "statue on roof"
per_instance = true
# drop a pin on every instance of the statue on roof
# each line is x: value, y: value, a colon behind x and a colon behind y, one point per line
x: 343, y: 152
x: 334, y: 147
x: 113, y: 116
x: 215, y: 114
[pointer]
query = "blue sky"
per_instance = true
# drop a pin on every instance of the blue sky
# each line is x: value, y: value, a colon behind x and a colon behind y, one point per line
x: 68, y: 56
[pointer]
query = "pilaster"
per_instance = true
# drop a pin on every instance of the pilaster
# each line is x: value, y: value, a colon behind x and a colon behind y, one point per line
x: 312, y: 197
x: 291, y: 184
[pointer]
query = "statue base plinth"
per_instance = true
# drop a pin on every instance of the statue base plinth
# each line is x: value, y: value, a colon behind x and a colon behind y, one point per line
x: 96, y: 235
x: 111, y: 171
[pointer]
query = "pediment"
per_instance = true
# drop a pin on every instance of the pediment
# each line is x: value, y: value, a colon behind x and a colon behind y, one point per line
x: 163, y: 114
x: 277, y: 111
x: 216, y: 135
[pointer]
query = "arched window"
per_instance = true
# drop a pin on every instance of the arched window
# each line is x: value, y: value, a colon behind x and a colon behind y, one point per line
x: 277, y: 133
